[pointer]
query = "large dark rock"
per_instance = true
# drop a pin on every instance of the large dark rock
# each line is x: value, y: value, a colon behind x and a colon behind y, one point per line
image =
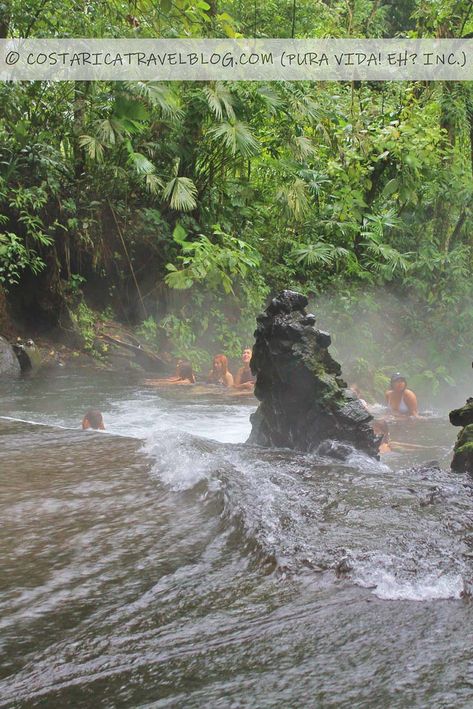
x: 304, y: 400
x: 9, y: 365
x: 28, y: 355
x: 464, y: 415
x: 463, y: 452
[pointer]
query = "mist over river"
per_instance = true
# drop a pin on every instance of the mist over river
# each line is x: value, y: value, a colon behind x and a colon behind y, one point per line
x: 163, y: 563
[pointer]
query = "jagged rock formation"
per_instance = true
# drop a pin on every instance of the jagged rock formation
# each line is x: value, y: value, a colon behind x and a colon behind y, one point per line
x: 9, y: 365
x: 304, y: 400
x: 28, y: 355
x: 463, y: 452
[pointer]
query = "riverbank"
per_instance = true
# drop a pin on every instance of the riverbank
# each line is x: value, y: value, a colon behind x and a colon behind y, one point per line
x: 108, y: 345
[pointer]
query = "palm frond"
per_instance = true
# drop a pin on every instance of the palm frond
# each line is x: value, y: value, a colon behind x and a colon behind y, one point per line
x: 219, y: 100
x: 180, y: 193
x: 294, y: 198
x: 270, y: 98
x: 236, y: 137
x: 159, y: 94
x: 303, y: 147
x: 141, y: 164
x: 93, y: 147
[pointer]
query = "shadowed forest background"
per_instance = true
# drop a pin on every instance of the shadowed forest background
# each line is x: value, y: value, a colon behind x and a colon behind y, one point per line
x: 178, y: 208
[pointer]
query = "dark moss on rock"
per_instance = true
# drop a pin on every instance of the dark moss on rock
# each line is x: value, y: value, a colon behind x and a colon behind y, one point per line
x: 464, y: 415
x: 463, y: 453
x: 304, y: 400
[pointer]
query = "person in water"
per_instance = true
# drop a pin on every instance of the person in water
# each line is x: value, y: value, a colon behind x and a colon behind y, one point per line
x: 184, y: 372
x: 244, y: 378
x: 93, y: 419
x: 184, y: 375
x: 400, y: 399
x: 380, y: 428
x: 219, y: 373
x: 356, y: 390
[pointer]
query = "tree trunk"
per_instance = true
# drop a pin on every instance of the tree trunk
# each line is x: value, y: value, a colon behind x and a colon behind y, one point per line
x: 5, y: 10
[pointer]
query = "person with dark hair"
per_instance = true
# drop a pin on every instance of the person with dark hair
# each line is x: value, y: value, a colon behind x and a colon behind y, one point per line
x: 401, y: 400
x: 93, y: 419
x: 219, y: 373
x: 184, y: 375
x: 244, y: 378
x: 184, y: 372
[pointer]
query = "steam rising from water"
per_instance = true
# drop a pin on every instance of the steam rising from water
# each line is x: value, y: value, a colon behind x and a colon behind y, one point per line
x: 379, y: 331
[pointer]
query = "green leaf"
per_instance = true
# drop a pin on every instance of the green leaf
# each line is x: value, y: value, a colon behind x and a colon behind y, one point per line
x: 236, y: 137
x: 130, y: 108
x: 179, y: 234
x: 181, y: 192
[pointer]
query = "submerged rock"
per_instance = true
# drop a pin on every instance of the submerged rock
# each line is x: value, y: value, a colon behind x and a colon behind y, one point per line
x: 463, y: 452
x: 9, y: 365
x: 304, y: 400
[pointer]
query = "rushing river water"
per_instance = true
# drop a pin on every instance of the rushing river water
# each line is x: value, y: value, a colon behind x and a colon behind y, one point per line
x: 172, y: 566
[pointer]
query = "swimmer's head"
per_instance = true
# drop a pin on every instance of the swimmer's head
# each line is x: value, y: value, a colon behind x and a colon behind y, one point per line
x: 185, y: 371
x: 220, y: 364
x: 93, y: 419
x: 398, y: 382
x: 246, y: 355
x: 355, y: 389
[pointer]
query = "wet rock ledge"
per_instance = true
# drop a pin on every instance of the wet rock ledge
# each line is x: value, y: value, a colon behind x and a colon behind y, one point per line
x: 9, y: 365
x: 304, y: 400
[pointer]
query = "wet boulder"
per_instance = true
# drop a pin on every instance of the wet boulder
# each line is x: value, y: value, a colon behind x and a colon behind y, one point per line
x: 304, y: 400
x: 28, y: 355
x: 464, y: 415
x: 463, y: 452
x: 9, y: 365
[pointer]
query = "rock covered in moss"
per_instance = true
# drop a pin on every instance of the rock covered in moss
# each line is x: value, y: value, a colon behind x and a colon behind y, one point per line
x: 304, y: 400
x: 464, y: 415
x: 463, y: 452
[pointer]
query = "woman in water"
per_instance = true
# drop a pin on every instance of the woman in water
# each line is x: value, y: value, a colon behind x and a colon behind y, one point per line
x: 244, y: 378
x: 219, y: 373
x: 93, y: 419
x: 184, y: 375
x: 401, y: 400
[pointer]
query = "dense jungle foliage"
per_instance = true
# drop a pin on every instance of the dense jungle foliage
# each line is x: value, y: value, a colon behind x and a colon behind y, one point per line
x: 181, y: 206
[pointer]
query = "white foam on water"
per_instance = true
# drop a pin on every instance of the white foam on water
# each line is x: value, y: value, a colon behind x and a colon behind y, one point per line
x: 179, y: 459
x: 146, y: 414
x: 428, y: 587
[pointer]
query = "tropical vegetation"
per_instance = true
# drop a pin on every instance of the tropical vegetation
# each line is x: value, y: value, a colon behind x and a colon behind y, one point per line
x: 182, y: 206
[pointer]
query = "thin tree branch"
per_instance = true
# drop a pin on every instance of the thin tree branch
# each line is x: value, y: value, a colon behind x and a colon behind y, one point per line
x: 467, y: 17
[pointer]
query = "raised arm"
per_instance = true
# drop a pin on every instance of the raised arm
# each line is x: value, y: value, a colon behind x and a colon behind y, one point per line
x: 411, y: 402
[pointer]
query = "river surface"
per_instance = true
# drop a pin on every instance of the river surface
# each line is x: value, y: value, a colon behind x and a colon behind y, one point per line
x: 163, y: 563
